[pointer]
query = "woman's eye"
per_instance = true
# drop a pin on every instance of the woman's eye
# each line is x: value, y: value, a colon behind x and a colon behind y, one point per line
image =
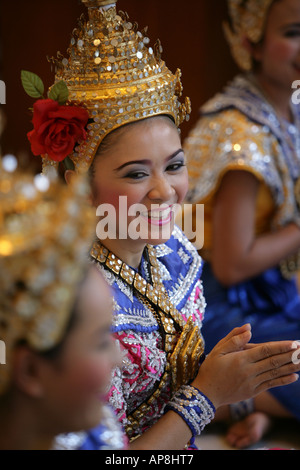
x: 175, y: 166
x: 136, y: 175
x: 105, y: 343
x: 292, y: 33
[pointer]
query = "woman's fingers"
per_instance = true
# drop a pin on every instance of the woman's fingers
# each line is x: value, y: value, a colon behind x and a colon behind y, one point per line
x: 235, y: 340
x: 271, y: 350
x: 275, y: 382
x: 278, y: 369
x: 245, y: 369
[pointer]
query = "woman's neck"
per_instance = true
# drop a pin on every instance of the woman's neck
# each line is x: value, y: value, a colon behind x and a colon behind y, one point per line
x: 129, y: 252
x: 278, y: 97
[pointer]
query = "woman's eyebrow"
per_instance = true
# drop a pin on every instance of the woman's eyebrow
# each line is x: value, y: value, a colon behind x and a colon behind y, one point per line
x: 291, y: 25
x: 133, y: 162
x: 147, y: 162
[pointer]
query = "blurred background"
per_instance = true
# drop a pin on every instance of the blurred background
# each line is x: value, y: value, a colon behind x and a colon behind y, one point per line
x: 190, y: 32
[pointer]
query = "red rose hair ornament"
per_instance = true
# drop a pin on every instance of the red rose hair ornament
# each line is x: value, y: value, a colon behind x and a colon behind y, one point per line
x: 57, y: 127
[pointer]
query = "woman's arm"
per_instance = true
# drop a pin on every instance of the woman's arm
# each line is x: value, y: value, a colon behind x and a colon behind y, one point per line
x: 169, y: 433
x: 237, y: 254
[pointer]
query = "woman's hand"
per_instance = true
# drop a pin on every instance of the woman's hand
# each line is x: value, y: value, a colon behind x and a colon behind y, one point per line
x: 233, y: 371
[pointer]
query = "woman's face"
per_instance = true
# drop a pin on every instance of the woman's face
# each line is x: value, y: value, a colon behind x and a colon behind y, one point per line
x: 144, y: 166
x: 278, y: 54
x: 76, y: 383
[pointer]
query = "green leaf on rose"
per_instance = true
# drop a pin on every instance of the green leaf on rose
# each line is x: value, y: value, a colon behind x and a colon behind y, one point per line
x: 59, y: 92
x: 32, y: 84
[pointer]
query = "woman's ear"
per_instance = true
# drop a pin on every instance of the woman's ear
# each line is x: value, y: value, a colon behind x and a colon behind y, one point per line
x: 26, y: 372
x: 253, y: 49
x: 69, y: 174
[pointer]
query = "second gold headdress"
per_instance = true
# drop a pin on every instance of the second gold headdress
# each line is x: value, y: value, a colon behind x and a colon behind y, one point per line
x: 248, y: 18
x: 114, y: 74
x: 46, y: 229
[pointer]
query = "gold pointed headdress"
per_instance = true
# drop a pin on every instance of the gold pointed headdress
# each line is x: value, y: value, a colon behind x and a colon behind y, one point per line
x: 248, y: 18
x: 45, y: 233
x: 115, y: 74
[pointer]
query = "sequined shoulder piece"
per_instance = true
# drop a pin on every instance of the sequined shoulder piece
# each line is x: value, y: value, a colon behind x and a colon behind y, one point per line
x: 230, y: 140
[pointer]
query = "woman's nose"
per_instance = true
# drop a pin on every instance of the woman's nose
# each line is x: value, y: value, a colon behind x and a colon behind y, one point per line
x: 161, y: 189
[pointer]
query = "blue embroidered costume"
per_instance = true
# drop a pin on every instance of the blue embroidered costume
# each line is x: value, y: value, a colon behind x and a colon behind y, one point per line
x: 143, y: 386
x: 107, y: 436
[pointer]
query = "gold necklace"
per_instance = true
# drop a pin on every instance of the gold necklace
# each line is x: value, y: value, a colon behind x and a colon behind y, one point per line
x: 183, y: 342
